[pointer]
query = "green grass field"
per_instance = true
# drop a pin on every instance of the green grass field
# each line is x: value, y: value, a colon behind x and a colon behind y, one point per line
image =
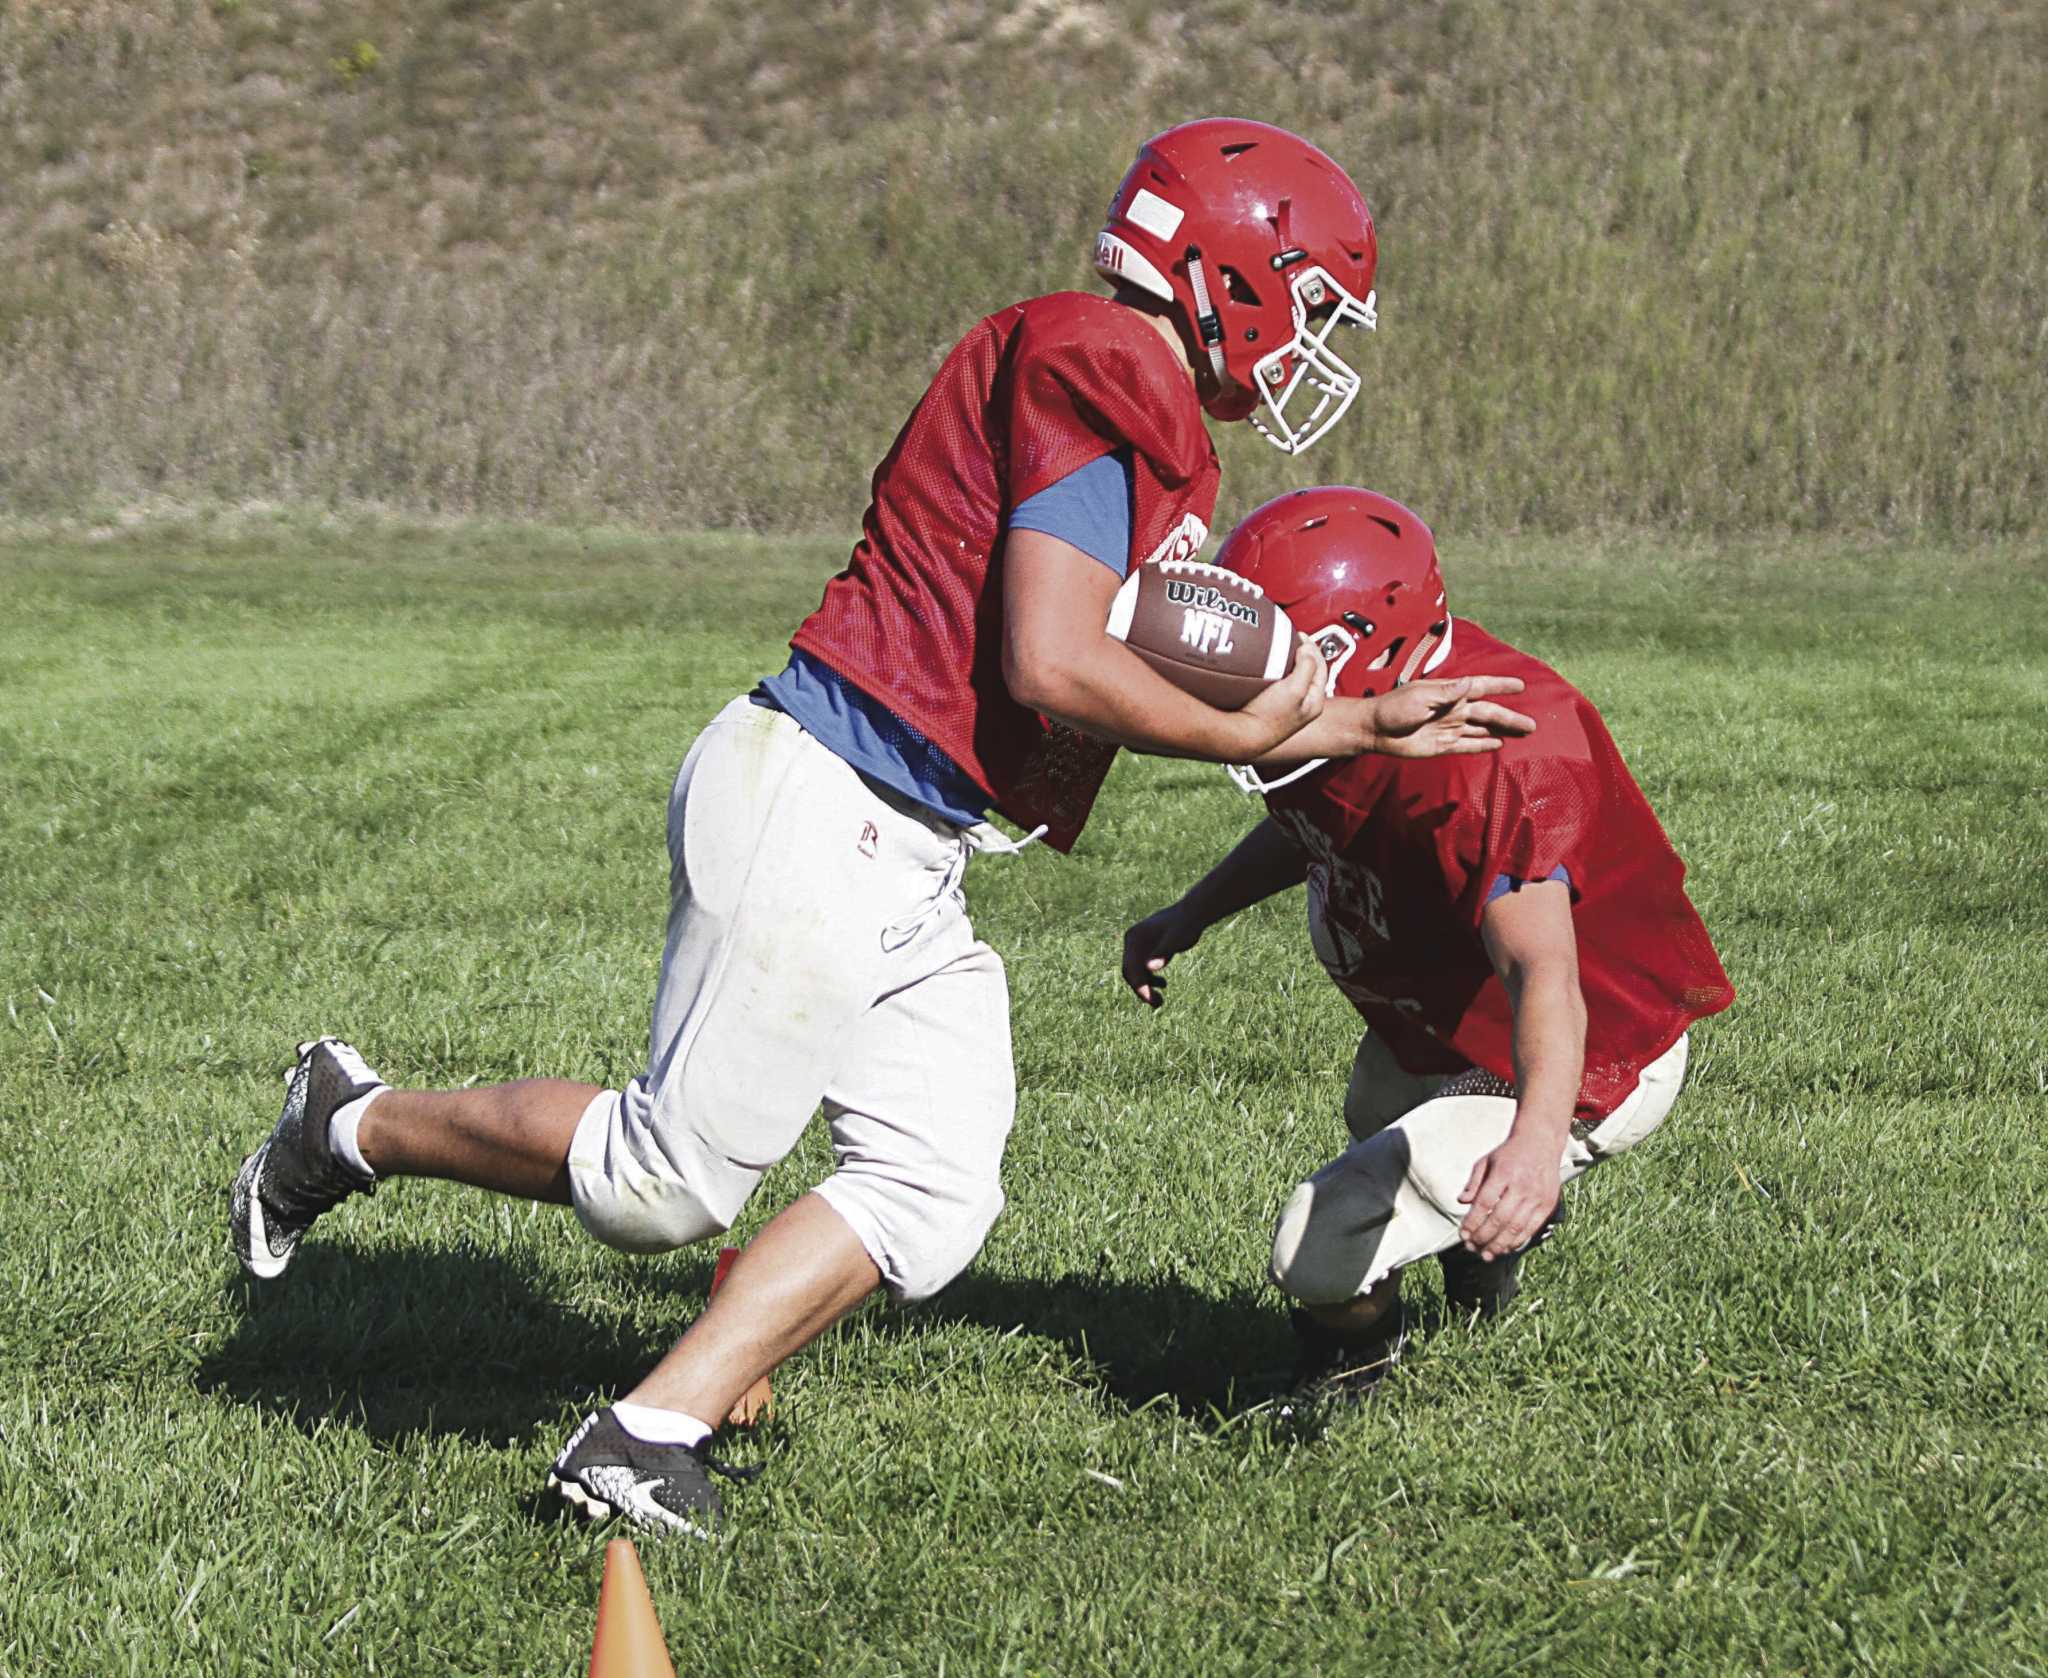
x: 1776, y: 1403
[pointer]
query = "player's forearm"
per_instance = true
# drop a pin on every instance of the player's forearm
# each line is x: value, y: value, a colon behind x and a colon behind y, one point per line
x: 1103, y: 689
x: 1344, y: 728
x: 1549, y: 1051
x: 1264, y: 863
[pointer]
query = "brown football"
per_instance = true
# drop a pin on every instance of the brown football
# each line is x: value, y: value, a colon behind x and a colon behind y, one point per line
x: 1208, y: 631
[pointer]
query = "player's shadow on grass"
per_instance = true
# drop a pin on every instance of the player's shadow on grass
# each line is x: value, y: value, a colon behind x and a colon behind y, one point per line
x: 441, y: 1341
x: 481, y: 1346
x: 1144, y: 1342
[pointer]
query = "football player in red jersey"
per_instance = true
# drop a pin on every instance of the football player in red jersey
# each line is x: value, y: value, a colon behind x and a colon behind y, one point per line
x: 818, y: 948
x: 1513, y: 928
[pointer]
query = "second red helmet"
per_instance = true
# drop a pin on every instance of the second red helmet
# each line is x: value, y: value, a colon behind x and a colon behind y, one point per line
x: 1357, y: 572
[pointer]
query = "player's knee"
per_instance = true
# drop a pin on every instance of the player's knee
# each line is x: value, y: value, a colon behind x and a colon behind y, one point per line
x: 653, y: 1217
x: 918, y: 1244
x: 639, y: 1199
x: 951, y: 1250
x: 1312, y: 1261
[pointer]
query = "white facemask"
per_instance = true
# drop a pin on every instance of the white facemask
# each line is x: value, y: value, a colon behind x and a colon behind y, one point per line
x: 1317, y: 367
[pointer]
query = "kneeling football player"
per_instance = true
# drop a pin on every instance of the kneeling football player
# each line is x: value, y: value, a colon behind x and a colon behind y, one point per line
x: 1513, y: 928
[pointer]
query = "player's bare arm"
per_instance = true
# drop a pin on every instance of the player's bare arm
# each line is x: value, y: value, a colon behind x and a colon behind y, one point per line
x: 1422, y: 719
x: 1058, y: 659
x: 1531, y: 941
x: 1264, y: 863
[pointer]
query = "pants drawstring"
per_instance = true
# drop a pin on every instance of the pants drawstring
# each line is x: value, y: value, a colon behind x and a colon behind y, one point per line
x: 976, y: 840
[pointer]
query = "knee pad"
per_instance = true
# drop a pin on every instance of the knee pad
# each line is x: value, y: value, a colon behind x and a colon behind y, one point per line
x: 633, y: 1196
x: 917, y: 1246
x: 952, y: 1253
x: 1307, y: 1265
x: 1327, y: 1245
x: 646, y: 1217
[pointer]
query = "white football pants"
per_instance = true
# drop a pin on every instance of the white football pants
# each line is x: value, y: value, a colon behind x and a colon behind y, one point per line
x: 818, y: 951
x: 1392, y: 1197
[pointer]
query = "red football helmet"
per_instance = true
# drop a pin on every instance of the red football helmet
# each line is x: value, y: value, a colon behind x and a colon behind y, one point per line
x: 1363, y: 570
x: 1267, y: 248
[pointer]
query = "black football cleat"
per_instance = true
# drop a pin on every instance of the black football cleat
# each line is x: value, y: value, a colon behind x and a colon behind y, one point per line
x: 1484, y: 1288
x: 605, y: 1471
x: 1346, y: 1369
x: 296, y: 1175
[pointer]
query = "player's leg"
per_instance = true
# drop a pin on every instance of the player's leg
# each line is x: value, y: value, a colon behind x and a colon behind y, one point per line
x: 1362, y: 1331
x: 512, y: 1138
x: 921, y: 1118
x: 802, y: 1273
x: 742, y: 817
x: 881, y: 905
x: 1346, y: 1234
x: 1475, y: 1286
x: 773, y: 955
x: 1380, y: 1090
x: 920, y: 1110
x: 344, y: 1130
x: 1387, y: 1200
x: 1391, y: 1199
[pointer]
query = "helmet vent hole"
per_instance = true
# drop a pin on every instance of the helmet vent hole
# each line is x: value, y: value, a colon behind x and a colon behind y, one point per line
x: 1391, y: 528
x: 1240, y: 148
x: 1317, y: 522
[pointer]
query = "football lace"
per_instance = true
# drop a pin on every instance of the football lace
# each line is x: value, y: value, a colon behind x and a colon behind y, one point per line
x: 1237, y: 577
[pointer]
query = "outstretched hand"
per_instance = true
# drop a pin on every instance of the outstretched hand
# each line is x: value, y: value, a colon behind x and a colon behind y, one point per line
x: 1437, y: 719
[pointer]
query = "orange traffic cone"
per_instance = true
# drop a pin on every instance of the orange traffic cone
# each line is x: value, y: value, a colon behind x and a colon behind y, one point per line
x: 629, y: 1641
x: 757, y: 1403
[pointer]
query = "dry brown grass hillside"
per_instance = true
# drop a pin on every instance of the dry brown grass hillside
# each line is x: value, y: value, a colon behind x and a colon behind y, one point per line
x: 1700, y: 266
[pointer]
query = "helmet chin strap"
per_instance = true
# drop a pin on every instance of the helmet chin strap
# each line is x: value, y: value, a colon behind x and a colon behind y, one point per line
x: 1247, y: 779
x: 1208, y: 324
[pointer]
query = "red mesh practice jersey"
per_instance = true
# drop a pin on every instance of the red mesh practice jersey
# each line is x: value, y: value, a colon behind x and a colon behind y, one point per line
x: 1403, y: 851
x: 915, y: 620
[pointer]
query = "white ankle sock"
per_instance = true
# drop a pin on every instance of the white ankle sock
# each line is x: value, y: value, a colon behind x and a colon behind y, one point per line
x: 661, y: 1427
x: 341, y: 1131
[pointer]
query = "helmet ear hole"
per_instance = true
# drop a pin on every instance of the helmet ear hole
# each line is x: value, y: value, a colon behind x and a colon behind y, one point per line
x: 1238, y: 289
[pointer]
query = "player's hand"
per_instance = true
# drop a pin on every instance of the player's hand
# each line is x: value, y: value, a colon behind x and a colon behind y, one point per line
x: 1436, y: 719
x: 1151, y: 944
x: 1288, y: 706
x: 1510, y: 1192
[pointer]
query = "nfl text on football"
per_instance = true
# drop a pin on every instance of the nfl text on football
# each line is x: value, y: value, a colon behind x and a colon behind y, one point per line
x: 1210, y: 632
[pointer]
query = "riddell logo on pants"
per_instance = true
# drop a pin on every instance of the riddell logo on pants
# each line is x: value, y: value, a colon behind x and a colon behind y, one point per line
x: 870, y: 837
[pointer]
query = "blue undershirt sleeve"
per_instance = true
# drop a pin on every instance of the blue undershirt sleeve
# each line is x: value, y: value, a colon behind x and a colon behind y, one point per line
x: 1090, y: 507
x: 1505, y: 883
